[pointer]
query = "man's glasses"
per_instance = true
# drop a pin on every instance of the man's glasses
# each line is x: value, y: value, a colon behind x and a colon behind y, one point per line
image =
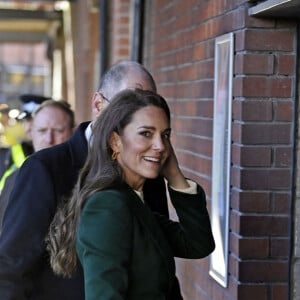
x: 104, y: 97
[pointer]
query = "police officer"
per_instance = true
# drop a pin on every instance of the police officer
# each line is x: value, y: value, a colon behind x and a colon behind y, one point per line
x: 16, y: 154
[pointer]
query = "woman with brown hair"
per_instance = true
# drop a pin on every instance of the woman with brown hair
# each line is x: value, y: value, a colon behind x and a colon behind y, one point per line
x: 126, y: 250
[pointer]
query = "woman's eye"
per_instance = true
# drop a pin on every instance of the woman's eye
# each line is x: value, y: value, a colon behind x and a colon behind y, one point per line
x: 145, y: 133
x: 167, y: 135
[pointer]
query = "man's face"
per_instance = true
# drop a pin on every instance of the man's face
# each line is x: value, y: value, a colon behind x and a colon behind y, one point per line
x: 134, y: 80
x: 50, y: 127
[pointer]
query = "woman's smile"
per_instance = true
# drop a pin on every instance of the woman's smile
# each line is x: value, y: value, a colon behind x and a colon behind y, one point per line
x: 144, y: 145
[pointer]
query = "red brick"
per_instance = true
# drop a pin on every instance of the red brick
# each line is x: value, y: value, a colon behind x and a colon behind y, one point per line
x: 184, y: 20
x: 122, y: 52
x: 281, y: 202
x: 203, y: 108
x: 194, y: 144
x: 259, y: 64
x: 263, y: 271
x: 279, y: 292
x: 264, y: 179
x: 193, y: 278
x: 234, y: 242
x: 234, y: 222
x: 167, y: 45
x: 184, y: 55
x: 252, y: 291
x: 256, y: 248
x: 123, y: 20
x: 265, y: 40
x: 286, y: 64
x: 194, y: 89
x: 250, y: 201
x: 261, y: 22
x: 190, y: 161
x: 123, y: 31
x: 279, y: 247
x: 251, y: 156
x: 232, y: 287
x: 233, y: 265
x: 283, y: 110
x: 262, y: 87
x: 267, y: 133
x: 200, y: 127
x: 203, y: 50
x: 282, y: 156
x: 252, y: 110
x: 260, y: 225
x: 124, y: 41
x: 205, y: 69
x: 169, y: 75
x: 290, y: 23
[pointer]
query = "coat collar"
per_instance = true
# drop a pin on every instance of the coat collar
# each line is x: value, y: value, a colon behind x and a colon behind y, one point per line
x: 78, y: 146
x: 148, y: 219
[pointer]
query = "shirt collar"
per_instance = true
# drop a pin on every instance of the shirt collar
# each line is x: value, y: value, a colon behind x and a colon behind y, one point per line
x: 88, y: 133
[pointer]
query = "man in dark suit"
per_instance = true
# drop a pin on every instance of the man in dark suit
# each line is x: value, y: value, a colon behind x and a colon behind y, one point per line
x: 46, y: 179
x: 51, y: 123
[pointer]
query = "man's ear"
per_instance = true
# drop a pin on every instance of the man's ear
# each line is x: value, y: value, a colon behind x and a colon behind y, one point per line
x: 98, y: 104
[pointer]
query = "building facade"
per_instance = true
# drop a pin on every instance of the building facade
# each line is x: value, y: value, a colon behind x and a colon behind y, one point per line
x: 229, y: 70
x: 177, y: 42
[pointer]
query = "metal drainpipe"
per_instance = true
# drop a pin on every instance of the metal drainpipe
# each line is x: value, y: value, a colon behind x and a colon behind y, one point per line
x: 103, y: 39
x: 137, y: 39
x: 294, y: 163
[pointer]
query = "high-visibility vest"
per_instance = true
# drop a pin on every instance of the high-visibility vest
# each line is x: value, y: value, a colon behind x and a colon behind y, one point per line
x: 18, y: 157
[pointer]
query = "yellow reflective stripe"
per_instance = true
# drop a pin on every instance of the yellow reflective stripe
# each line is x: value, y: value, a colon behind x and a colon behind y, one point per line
x: 18, y: 155
x: 5, y: 175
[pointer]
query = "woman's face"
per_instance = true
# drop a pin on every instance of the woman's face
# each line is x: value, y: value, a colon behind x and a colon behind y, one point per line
x: 144, y: 145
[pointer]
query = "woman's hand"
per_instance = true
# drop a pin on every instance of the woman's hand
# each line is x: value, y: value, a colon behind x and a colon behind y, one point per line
x: 172, y: 172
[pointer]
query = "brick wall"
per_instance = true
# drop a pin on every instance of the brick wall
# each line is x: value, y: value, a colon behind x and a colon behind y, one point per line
x: 179, y: 38
x: 85, y: 31
x: 263, y: 127
x: 119, y: 28
x: 179, y: 51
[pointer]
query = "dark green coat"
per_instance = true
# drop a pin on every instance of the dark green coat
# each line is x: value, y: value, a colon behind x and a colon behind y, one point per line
x: 127, y: 252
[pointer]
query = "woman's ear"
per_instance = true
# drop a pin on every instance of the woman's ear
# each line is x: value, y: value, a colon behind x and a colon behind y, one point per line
x: 98, y: 104
x: 115, y: 142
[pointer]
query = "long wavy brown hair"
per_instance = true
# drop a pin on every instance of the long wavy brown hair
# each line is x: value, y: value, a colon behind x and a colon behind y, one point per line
x: 99, y: 172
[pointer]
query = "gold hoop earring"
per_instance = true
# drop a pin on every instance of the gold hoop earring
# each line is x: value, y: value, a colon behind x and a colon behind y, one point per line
x: 114, y: 155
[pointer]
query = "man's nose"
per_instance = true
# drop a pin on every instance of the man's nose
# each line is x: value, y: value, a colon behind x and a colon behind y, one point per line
x: 50, y: 136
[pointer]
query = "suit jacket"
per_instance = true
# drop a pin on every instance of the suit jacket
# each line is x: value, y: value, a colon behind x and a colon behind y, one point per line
x: 27, y: 148
x: 44, y: 179
x: 127, y: 253
x: 8, y: 186
x: 4, y: 159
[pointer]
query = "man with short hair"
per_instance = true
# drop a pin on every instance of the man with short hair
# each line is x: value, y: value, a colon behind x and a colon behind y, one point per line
x: 44, y: 181
x: 53, y: 123
x: 50, y: 124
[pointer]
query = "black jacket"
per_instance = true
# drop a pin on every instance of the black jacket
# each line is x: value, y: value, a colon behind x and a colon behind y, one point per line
x: 44, y: 179
x: 4, y: 197
x: 10, y: 179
